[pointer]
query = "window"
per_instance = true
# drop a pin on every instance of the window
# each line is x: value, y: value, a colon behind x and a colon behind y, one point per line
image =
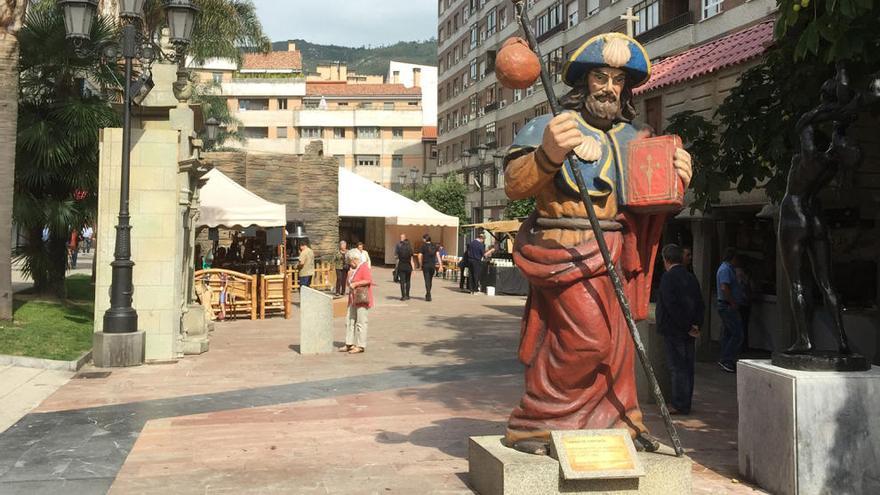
x: 282, y: 103
x: 490, y: 133
x: 253, y: 104
x: 592, y: 7
x: 396, y: 161
x: 368, y: 132
x: 711, y: 8
x: 572, y: 14
x: 367, y: 160
x: 530, y: 90
x: 548, y: 20
x: 517, y: 95
x: 475, y: 35
x: 434, y: 151
x: 256, y: 132
x: 342, y: 104
x: 481, y: 71
x: 397, y: 132
x: 217, y: 77
x: 339, y: 132
x: 473, y: 102
x: 490, y: 22
x: 388, y: 105
x: 310, y: 132
x: 281, y: 132
x: 502, y: 19
x: 412, y: 103
x: 365, y: 105
x: 311, y: 104
x: 474, y: 70
x: 515, y: 129
x: 554, y: 64
x: 649, y: 15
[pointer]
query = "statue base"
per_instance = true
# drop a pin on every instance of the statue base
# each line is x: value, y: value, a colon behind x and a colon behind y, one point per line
x: 808, y: 433
x: 821, y: 361
x: 494, y: 469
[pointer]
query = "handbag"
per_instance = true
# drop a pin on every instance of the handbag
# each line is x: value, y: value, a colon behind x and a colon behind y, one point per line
x: 361, y: 295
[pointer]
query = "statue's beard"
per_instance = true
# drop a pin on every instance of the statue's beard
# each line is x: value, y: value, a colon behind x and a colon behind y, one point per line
x: 602, y: 105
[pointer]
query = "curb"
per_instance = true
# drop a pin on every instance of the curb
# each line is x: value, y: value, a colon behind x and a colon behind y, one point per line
x: 46, y: 364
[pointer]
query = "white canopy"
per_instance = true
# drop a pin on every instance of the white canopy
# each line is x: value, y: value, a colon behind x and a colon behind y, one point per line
x: 225, y: 203
x: 360, y: 197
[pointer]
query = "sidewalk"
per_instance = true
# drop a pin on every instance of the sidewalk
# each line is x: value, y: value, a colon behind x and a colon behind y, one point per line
x: 254, y: 416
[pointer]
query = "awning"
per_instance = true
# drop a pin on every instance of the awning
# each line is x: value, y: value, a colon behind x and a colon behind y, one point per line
x: 225, y: 203
x: 360, y: 197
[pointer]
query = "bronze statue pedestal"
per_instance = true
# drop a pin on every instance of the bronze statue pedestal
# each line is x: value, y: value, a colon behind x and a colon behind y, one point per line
x: 821, y: 361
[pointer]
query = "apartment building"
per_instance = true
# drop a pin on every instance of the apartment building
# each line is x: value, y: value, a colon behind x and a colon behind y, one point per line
x: 474, y: 110
x: 372, y: 128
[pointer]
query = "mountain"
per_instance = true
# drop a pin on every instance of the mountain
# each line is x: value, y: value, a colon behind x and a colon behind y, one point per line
x: 364, y: 60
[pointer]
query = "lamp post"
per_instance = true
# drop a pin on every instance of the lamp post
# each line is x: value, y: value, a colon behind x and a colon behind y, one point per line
x: 121, y: 317
x: 481, y: 154
x: 413, y: 176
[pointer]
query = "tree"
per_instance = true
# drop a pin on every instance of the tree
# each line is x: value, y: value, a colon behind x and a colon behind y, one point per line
x: 518, y: 208
x: 11, y: 18
x: 214, y: 106
x: 57, y: 140
x: 446, y: 197
x: 751, y: 140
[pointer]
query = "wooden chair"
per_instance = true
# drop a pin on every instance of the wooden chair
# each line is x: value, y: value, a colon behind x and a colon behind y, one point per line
x: 275, y: 294
x: 241, y: 291
x: 323, y: 279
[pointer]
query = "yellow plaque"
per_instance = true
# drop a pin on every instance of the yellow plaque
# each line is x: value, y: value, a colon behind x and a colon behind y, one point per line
x: 598, y: 453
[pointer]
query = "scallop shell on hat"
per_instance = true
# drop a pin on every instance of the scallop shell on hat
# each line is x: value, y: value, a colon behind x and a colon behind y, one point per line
x: 616, y: 51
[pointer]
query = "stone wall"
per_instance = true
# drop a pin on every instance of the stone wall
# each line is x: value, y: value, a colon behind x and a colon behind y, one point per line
x: 307, y: 184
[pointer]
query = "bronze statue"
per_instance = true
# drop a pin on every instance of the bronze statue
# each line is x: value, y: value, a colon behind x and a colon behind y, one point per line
x: 803, y: 241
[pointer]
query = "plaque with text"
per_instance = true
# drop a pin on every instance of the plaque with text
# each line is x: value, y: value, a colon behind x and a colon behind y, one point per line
x: 596, y: 454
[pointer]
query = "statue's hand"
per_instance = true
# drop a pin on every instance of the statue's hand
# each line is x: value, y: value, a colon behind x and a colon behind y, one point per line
x: 561, y: 136
x: 681, y: 160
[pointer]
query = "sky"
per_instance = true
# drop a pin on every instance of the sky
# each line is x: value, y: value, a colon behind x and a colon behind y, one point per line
x: 348, y: 22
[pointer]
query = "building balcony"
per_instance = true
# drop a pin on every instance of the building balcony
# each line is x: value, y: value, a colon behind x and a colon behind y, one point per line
x: 677, y: 22
x: 266, y: 88
x: 358, y: 118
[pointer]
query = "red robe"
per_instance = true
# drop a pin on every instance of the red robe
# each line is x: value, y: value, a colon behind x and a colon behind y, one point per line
x: 579, y: 356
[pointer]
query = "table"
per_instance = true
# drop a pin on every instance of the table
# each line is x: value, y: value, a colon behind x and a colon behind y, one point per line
x: 506, y: 279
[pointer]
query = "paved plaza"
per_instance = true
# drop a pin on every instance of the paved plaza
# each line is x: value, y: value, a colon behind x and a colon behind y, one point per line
x: 254, y: 416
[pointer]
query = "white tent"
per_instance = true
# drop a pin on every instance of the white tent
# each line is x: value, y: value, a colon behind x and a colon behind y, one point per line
x: 360, y: 197
x: 225, y: 203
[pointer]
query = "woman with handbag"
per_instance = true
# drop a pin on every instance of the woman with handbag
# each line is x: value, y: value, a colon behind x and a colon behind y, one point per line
x: 360, y: 300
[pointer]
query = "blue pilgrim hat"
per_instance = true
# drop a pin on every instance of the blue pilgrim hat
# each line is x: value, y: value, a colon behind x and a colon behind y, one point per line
x: 608, y: 50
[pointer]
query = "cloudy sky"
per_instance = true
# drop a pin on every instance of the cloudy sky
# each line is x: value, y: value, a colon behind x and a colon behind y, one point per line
x: 349, y: 22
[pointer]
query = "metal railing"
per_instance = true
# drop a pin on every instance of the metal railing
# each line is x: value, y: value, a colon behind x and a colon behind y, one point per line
x: 677, y: 22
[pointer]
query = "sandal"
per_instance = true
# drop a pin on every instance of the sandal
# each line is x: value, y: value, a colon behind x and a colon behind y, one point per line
x: 344, y: 348
x: 356, y: 350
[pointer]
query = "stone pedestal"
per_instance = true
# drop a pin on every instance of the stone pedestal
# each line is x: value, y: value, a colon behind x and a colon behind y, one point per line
x: 809, y: 432
x: 315, y: 322
x: 116, y: 350
x: 494, y: 469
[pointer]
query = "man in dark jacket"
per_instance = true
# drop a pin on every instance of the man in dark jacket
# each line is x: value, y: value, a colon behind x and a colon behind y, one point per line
x: 679, y: 315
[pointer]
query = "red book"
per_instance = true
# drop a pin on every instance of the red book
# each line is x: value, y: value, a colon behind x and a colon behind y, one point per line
x: 650, y: 183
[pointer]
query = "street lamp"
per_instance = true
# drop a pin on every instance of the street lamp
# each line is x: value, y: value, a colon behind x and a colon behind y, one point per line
x: 413, y: 175
x: 121, y: 317
x: 481, y: 154
x: 212, y: 128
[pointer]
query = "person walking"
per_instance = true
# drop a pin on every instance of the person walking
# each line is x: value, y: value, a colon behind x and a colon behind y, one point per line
x: 73, y: 247
x: 87, y: 234
x: 729, y: 294
x: 340, y: 264
x: 306, y: 264
x: 679, y: 313
x: 429, y: 260
x: 360, y: 300
x: 405, y: 266
x: 475, y: 251
x: 364, y: 255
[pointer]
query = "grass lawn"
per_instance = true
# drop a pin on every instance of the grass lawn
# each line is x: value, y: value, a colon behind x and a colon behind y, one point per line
x: 51, y: 329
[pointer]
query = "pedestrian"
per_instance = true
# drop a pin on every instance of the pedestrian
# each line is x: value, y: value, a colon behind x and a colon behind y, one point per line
x: 73, y: 247
x: 340, y: 264
x: 364, y: 255
x: 475, y: 251
x: 441, y: 270
x: 360, y: 300
x: 729, y: 296
x: 429, y: 260
x: 679, y: 313
x: 397, y: 258
x: 405, y: 266
x: 462, y: 271
x: 306, y: 264
x: 87, y: 234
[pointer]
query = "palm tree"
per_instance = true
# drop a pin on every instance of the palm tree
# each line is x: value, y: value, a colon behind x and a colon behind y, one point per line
x: 59, y: 122
x: 11, y: 18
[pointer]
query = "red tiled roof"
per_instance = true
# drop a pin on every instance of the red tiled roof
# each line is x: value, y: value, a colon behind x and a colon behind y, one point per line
x: 429, y: 132
x: 341, y: 88
x: 700, y: 60
x: 272, y: 61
